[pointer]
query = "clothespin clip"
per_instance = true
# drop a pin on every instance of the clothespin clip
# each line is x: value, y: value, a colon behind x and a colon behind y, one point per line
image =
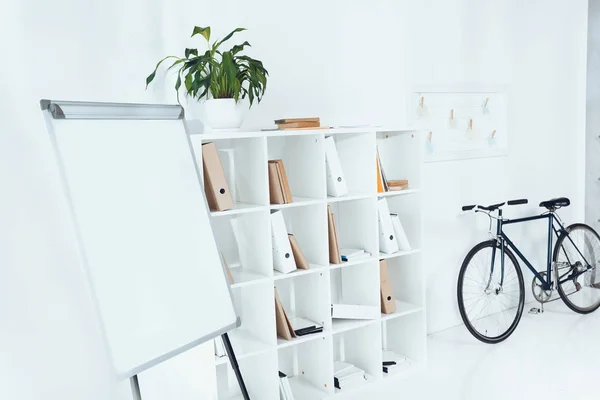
x: 493, y: 134
x: 484, y: 108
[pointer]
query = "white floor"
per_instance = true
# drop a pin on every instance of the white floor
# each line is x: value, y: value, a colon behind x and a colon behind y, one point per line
x: 555, y: 355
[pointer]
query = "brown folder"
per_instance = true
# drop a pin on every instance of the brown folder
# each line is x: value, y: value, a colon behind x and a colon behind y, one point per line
x: 285, y: 187
x: 388, y: 302
x: 215, y: 185
x: 227, y: 270
x: 292, y: 120
x: 335, y: 256
x: 301, y: 261
x: 284, y: 326
x: 275, y: 188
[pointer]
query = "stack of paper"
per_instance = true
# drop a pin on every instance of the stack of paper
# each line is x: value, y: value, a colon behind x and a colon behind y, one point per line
x: 347, y: 376
x: 219, y: 347
x: 279, y: 188
x: 285, y: 390
x: 354, y: 254
x: 289, y: 328
x: 397, y: 185
x: 393, y: 361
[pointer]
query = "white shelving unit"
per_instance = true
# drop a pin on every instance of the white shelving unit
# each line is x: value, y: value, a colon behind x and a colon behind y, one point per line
x: 308, y: 360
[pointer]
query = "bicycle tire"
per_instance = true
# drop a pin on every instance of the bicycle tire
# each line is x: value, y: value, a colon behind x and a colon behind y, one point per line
x: 461, y: 303
x: 556, y: 253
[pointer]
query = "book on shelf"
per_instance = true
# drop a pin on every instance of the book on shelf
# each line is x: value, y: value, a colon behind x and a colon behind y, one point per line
x: 283, y: 256
x: 285, y: 390
x: 397, y: 185
x: 393, y: 361
x: 388, y: 302
x: 216, y: 188
x: 335, y: 256
x: 401, y: 238
x: 354, y: 311
x: 354, y: 254
x: 336, y: 183
x: 303, y: 326
x: 347, y: 376
x: 279, y: 188
x: 301, y: 261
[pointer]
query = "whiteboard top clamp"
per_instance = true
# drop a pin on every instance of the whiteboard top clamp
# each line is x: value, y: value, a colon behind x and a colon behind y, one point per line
x: 94, y: 110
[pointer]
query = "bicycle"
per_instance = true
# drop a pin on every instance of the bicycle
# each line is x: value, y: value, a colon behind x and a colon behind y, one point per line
x: 491, y: 290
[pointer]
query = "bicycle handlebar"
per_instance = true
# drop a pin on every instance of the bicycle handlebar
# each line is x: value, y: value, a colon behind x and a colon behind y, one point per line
x: 494, y: 207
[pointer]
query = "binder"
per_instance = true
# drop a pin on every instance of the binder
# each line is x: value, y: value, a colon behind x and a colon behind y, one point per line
x: 388, y: 302
x: 283, y: 257
x: 275, y: 186
x: 284, y: 326
x: 216, y: 188
x: 336, y: 183
x: 387, y: 240
x: 401, y: 238
x: 301, y: 261
x: 335, y: 256
x: 380, y: 188
x: 227, y: 161
x: 352, y: 311
x: 283, y: 181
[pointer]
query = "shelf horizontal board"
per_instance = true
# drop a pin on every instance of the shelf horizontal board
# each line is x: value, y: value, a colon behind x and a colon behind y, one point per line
x: 314, y: 268
x: 221, y: 360
x: 282, y: 343
x: 383, y: 256
x: 398, y: 193
x: 246, y: 345
x: 243, y: 278
x: 240, y: 208
x: 402, y: 308
x: 345, y: 325
x: 304, y: 390
x: 405, y: 370
x: 354, y: 389
x: 299, y: 201
x: 223, y: 135
x: 351, y: 263
x: 349, y: 197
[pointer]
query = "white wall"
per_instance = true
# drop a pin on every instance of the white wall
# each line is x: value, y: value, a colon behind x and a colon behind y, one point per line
x: 348, y: 62
x: 592, y: 184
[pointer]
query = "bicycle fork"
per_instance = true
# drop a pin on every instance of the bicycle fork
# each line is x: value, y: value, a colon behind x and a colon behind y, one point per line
x: 501, y: 242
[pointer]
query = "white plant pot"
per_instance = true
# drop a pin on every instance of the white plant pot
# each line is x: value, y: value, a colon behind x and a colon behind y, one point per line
x: 223, y: 113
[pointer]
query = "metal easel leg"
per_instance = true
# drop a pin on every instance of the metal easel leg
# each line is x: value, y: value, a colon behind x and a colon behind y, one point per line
x: 235, y: 366
x: 135, y: 388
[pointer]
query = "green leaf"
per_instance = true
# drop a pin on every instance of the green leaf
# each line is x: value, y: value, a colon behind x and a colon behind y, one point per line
x: 188, y: 81
x: 239, y: 47
x: 198, y: 30
x: 150, y: 77
x: 226, y: 38
x: 191, y: 51
x: 176, y: 63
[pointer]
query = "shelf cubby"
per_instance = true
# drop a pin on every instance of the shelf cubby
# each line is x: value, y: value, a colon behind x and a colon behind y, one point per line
x: 356, y: 223
x: 404, y: 206
x: 399, y: 152
x: 303, y: 158
x: 362, y: 348
x: 406, y: 336
x: 355, y: 152
x: 248, y: 253
x: 260, y: 377
x: 311, y: 377
x: 406, y: 278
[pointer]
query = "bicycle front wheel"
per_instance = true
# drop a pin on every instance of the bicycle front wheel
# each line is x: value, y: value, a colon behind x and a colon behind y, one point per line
x: 490, y: 302
x: 576, y: 258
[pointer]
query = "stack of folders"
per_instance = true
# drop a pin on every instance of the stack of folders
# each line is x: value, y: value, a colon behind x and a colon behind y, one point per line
x: 354, y: 254
x: 347, y: 376
x: 354, y: 311
x: 283, y: 256
x: 392, y: 361
x: 298, y: 123
x: 219, y: 347
x: 216, y: 188
x: 335, y: 255
x: 388, y: 302
x: 279, y: 188
x: 289, y: 328
x: 336, y: 184
x: 385, y: 185
x: 285, y: 390
x: 392, y: 236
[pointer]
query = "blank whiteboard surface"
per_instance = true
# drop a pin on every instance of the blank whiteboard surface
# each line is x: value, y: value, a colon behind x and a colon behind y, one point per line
x: 147, y: 245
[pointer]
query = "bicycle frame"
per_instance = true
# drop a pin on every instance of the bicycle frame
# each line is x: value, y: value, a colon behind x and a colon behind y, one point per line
x: 554, y: 227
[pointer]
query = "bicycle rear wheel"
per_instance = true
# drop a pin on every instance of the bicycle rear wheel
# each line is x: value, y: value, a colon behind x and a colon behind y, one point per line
x: 490, y: 307
x: 578, y: 285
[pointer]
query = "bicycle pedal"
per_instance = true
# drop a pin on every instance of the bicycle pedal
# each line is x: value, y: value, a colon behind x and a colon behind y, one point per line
x: 536, y: 311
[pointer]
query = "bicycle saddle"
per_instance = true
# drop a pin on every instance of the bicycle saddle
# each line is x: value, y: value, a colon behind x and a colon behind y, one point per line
x: 553, y: 204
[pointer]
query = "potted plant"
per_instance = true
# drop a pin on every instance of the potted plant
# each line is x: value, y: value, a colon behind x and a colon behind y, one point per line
x: 223, y: 78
